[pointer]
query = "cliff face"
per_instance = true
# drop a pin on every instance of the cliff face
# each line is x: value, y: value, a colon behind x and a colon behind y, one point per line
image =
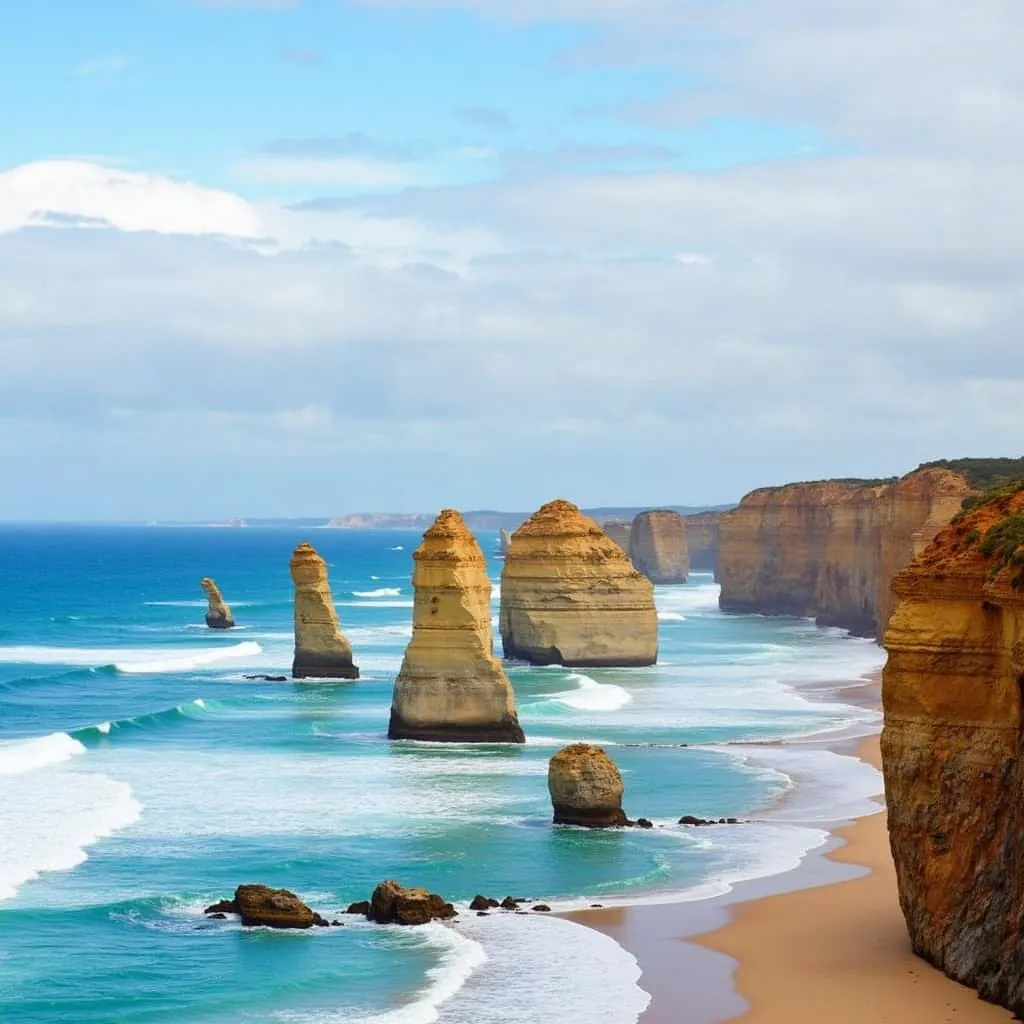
x: 570, y: 595
x: 657, y: 546
x: 618, y: 532
x: 952, y: 750
x: 702, y: 540
x: 831, y: 549
x: 451, y: 687
x: 321, y: 650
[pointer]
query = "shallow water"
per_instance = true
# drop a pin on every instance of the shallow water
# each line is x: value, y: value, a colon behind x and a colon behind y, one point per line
x: 142, y: 777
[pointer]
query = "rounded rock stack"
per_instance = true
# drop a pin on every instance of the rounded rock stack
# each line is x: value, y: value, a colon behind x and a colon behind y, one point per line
x: 451, y: 688
x: 571, y: 596
x: 586, y: 787
x: 321, y: 650
x: 657, y: 546
x: 218, y: 614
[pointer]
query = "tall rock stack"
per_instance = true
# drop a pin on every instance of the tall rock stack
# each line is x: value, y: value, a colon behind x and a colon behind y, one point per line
x: 657, y: 546
x: 218, y: 614
x: 321, y: 650
x: 451, y: 688
x: 619, y: 532
x: 570, y: 595
x: 586, y: 787
x: 504, y: 537
x: 952, y: 754
x: 702, y: 540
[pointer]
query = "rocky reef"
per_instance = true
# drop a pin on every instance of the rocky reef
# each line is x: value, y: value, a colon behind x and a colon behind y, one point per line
x: 702, y: 540
x: 953, y: 694
x: 261, y: 906
x: 571, y: 596
x: 218, y: 614
x: 657, y: 546
x: 586, y: 787
x: 392, y: 903
x: 831, y: 549
x: 450, y: 686
x: 321, y: 650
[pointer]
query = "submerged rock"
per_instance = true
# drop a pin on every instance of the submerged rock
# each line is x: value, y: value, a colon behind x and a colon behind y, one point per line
x: 392, y: 903
x: 586, y: 787
x: 450, y: 686
x: 571, y: 596
x: 657, y: 546
x: 218, y: 614
x: 321, y: 649
x: 360, y: 907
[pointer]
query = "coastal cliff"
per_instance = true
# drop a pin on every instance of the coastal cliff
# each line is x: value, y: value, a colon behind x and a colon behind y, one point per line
x: 657, y: 546
x: 450, y: 686
x: 322, y: 651
x: 951, y: 747
x: 570, y: 595
x: 702, y: 540
x: 618, y: 532
x: 831, y: 549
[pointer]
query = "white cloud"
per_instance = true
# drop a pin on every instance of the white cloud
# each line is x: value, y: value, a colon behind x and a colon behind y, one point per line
x: 359, y: 173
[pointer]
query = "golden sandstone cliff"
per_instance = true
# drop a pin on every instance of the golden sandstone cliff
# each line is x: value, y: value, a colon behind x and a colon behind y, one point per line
x: 218, y: 614
x: 830, y: 549
x: 953, y: 693
x: 570, y: 595
x: 451, y: 687
x: 657, y: 546
x: 702, y: 540
x: 321, y: 650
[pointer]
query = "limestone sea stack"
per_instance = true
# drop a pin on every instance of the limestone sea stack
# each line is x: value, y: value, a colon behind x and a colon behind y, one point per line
x: 586, y: 787
x: 218, y: 614
x: 321, y: 650
x: 619, y: 532
x: 657, y: 546
x: 952, y: 692
x: 504, y: 537
x: 451, y: 688
x: 702, y: 540
x: 570, y: 595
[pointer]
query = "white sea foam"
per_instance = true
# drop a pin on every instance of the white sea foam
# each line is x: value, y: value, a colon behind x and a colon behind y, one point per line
x: 590, y: 695
x: 379, y: 592
x: 495, y: 591
x: 29, y: 755
x: 190, y: 660
x: 671, y: 617
x: 700, y: 600
x: 50, y: 814
x: 398, y: 547
x: 374, y: 604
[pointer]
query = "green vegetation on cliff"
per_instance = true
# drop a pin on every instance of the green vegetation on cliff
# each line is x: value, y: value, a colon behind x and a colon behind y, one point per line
x: 982, y: 473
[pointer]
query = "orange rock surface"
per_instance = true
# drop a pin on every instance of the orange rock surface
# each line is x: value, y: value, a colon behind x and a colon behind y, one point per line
x: 831, y: 549
x: 951, y: 747
x: 657, y: 546
x: 702, y: 540
x: 570, y: 595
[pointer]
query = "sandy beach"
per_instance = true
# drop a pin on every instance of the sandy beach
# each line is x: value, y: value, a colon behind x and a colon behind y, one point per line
x: 828, y: 944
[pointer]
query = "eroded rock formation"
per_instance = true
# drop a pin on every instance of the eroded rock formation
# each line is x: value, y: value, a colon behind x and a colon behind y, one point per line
x: 450, y: 686
x: 261, y: 906
x: 321, y: 650
x: 702, y: 540
x: 831, y: 549
x: 586, y: 787
x: 619, y: 532
x: 657, y: 546
x: 504, y: 538
x: 218, y: 614
x: 952, y: 749
x: 571, y: 596
x: 392, y: 903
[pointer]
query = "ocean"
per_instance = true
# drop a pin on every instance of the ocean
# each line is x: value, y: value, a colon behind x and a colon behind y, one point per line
x: 142, y: 777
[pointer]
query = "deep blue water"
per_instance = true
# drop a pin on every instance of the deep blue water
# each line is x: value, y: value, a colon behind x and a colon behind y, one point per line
x: 142, y: 777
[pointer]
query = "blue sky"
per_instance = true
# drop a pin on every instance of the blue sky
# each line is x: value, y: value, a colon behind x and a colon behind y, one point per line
x: 286, y: 257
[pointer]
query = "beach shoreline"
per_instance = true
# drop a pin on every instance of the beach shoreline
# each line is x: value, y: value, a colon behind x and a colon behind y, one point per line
x: 825, y: 939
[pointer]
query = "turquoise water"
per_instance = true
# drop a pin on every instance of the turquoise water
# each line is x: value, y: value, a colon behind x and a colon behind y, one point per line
x: 142, y: 777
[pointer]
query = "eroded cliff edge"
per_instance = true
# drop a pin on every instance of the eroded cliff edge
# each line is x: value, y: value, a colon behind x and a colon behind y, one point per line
x: 951, y: 747
x: 830, y: 549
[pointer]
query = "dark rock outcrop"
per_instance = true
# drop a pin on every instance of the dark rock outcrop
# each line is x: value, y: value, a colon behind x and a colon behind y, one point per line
x: 586, y: 787
x: 392, y: 903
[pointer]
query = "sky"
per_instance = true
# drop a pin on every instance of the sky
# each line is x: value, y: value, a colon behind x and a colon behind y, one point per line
x: 309, y: 257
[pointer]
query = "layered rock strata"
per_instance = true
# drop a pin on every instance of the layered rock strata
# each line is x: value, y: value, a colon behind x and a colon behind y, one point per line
x: 830, y: 550
x: 586, y: 787
x: 450, y: 686
x: 218, y: 614
x: 571, y: 596
x: 702, y: 540
x: 657, y: 546
x: 321, y: 650
x: 953, y: 690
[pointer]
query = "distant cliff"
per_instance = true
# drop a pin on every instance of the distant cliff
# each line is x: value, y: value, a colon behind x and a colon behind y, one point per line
x: 830, y: 549
x: 952, y: 691
x: 702, y: 540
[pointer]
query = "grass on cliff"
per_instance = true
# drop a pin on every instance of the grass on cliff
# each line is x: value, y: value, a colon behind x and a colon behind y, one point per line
x: 1005, y: 542
x: 983, y: 474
